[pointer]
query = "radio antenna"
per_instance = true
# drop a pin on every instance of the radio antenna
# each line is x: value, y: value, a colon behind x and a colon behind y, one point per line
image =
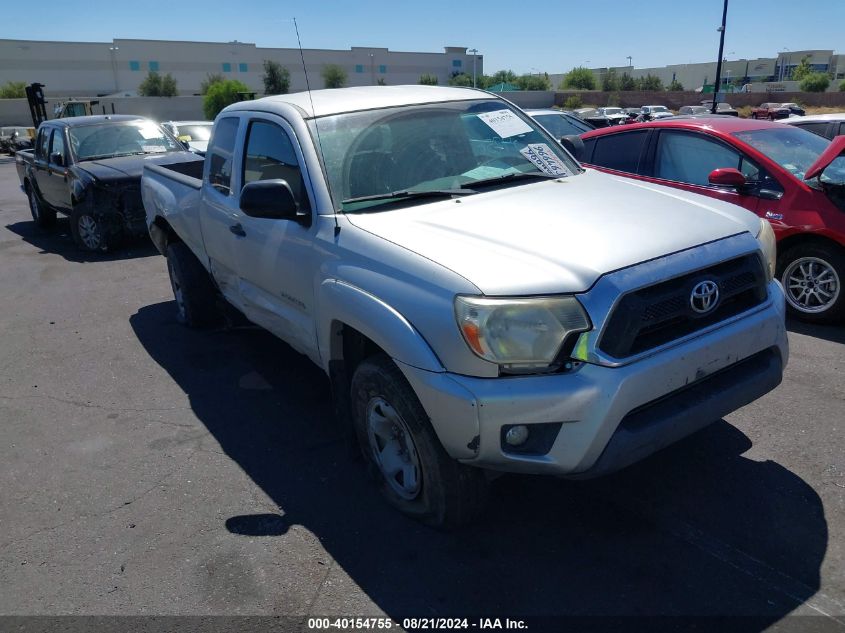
x: 313, y: 111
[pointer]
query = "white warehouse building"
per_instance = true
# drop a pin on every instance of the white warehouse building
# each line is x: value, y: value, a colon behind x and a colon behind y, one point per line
x: 119, y: 66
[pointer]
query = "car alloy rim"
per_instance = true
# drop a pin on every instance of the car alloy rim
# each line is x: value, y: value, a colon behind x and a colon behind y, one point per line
x: 177, y: 291
x: 88, y: 232
x: 811, y: 284
x: 393, y: 448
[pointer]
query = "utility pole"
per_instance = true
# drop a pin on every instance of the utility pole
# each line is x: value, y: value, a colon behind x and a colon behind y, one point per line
x: 112, y: 49
x: 721, y: 31
x: 630, y: 64
x: 474, y: 52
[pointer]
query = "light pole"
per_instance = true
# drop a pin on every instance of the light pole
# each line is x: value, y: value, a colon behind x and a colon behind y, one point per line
x: 718, y: 81
x: 474, y: 52
x: 630, y: 63
x: 112, y: 49
x: 372, y: 70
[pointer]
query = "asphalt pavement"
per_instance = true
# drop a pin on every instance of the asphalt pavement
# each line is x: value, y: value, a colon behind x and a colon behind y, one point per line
x: 147, y: 469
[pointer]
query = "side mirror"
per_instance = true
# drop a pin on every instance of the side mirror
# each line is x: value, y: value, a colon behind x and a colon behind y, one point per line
x: 57, y: 159
x: 273, y: 200
x: 574, y: 145
x: 726, y: 177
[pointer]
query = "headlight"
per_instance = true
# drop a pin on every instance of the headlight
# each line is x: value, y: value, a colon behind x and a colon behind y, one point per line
x: 519, y: 334
x: 768, y: 244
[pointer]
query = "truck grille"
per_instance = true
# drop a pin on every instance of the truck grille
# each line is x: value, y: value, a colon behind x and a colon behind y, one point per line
x: 658, y: 314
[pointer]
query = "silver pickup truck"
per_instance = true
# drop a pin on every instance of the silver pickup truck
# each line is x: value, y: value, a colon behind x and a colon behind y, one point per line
x: 479, y: 301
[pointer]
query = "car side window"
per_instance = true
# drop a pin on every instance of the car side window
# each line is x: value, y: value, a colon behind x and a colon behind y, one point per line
x: 841, y: 128
x: 58, y: 146
x: 816, y: 128
x: 43, y: 143
x: 270, y: 155
x: 689, y: 158
x: 221, y: 152
x: 620, y: 151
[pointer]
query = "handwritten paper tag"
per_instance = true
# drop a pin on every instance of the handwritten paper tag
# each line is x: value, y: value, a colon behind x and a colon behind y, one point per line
x: 545, y: 159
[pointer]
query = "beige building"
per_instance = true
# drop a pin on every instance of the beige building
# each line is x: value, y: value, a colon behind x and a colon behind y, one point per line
x: 119, y: 66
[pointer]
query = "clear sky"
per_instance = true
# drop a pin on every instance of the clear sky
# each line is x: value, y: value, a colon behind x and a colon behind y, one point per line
x: 551, y: 36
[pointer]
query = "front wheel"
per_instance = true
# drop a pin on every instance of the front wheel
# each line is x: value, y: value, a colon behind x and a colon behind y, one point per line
x: 412, y: 470
x: 89, y: 232
x: 812, y: 276
x: 43, y: 216
x: 753, y: 115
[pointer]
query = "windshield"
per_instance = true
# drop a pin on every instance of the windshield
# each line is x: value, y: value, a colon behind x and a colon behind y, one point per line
x: 196, y: 132
x: 792, y: 148
x: 559, y: 125
x: 110, y: 139
x: 612, y: 110
x: 659, y: 108
x: 436, y: 148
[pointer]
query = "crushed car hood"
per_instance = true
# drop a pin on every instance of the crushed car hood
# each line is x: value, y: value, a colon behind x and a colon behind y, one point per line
x: 123, y: 167
x: 556, y: 236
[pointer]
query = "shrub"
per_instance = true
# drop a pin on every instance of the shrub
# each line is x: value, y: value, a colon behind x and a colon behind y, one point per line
x: 573, y: 102
x: 675, y: 86
x: 154, y: 85
x: 650, y: 82
x: 461, y: 79
x: 221, y: 94
x: 504, y: 77
x: 276, y: 78
x: 428, y: 80
x: 334, y: 76
x: 13, y: 90
x: 842, y: 87
x: 210, y: 79
x: 580, y: 78
x: 610, y: 81
x: 627, y: 82
x: 815, y: 82
x: 534, y: 82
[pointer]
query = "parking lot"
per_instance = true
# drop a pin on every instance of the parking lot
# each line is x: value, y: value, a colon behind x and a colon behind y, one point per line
x: 149, y: 469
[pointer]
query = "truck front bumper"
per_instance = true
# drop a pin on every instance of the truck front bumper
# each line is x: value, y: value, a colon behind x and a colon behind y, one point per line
x: 604, y: 418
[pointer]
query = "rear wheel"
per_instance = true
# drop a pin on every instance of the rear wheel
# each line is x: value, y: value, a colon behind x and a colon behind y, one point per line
x: 43, y: 216
x: 753, y: 115
x: 193, y: 289
x: 812, y: 276
x: 411, y: 468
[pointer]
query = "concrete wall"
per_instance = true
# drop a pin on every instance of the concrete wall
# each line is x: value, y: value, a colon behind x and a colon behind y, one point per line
x: 91, y: 68
x: 16, y: 111
x: 674, y: 100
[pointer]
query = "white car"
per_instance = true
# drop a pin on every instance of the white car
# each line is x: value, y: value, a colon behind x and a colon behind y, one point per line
x: 194, y: 133
x: 615, y: 115
x: 826, y: 125
x: 654, y: 112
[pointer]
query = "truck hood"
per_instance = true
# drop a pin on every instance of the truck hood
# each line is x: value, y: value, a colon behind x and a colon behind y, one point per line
x: 124, y: 167
x: 556, y: 236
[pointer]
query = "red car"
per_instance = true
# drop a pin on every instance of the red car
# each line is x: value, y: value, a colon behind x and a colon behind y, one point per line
x: 794, y: 178
x: 770, y: 111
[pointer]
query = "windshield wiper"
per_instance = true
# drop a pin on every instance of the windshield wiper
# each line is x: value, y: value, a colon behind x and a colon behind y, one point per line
x: 512, y: 176
x: 411, y: 194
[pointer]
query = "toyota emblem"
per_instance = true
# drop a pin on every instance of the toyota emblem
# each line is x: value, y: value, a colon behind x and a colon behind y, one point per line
x: 704, y: 296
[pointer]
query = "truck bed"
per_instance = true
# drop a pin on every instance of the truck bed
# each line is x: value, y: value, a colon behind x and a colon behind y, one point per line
x: 172, y: 191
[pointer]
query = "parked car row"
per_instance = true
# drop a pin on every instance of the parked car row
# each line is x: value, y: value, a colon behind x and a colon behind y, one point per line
x: 15, y: 138
x: 478, y: 299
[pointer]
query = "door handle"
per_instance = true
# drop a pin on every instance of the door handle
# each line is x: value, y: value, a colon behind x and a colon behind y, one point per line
x: 238, y: 230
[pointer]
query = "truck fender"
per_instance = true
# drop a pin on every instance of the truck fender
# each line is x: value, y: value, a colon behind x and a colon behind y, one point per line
x: 375, y: 319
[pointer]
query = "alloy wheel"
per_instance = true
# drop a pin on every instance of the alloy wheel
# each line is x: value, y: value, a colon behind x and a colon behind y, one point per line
x: 89, y: 232
x: 811, y: 285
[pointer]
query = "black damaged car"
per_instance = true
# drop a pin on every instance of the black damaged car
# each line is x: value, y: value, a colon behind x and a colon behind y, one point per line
x: 89, y: 168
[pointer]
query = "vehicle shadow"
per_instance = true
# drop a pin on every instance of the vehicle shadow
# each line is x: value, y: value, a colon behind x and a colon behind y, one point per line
x: 57, y: 240
x: 832, y: 333
x: 697, y: 530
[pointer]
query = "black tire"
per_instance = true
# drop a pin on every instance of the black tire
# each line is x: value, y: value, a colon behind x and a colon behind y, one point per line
x: 90, y: 233
x: 43, y: 215
x: 449, y: 493
x: 821, y: 270
x: 193, y: 288
x: 753, y: 115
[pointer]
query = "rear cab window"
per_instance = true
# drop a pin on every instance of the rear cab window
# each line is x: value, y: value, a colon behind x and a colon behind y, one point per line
x: 221, y: 153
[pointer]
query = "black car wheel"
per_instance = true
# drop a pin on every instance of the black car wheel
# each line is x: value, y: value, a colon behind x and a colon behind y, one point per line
x: 88, y: 232
x: 43, y: 216
x: 193, y: 289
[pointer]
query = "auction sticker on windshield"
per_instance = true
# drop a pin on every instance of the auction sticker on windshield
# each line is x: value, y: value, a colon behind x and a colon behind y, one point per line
x: 545, y: 159
x: 505, y: 123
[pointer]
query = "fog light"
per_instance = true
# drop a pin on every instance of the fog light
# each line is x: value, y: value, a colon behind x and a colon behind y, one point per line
x: 517, y: 435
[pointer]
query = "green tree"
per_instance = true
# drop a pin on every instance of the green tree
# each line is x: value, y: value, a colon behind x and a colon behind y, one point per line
x: 610, y: 81
x: 580, y: 78
x: 334, y: 76
x: 802, y: 70
x: 428, y: 79
x: 815, y: 82
x: 221, y: 94
x: 13, y: 90
x: 381, y: 82
x: 504, y: 77
x: 484, y: 81
x: 842, y: 87
x: 626, y: 82
x: 675, y: 86
x: 534, y: 82
x: 210, y: 79
x: 573, y: 102
x: 154, y: 85
x: 650, y: 82
x: 461, y: 79
x: 276, y: 78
